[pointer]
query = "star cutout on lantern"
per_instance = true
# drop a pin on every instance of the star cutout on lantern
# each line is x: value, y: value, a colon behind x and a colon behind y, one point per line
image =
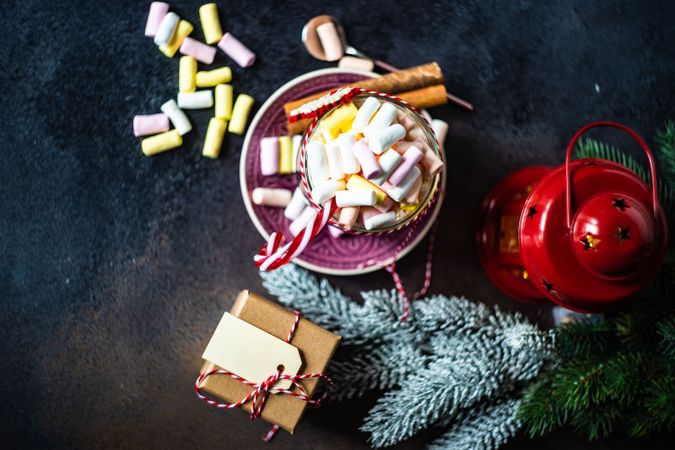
x: 589, y: 242
x: 548, y: 286
x: 622, y: 233
x: 532, y: 211
x: 620, y: 204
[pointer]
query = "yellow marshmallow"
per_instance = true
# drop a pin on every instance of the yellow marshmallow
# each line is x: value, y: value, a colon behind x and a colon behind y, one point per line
x: 357, y: 182
x: 339, y: 121
x: 208, y: 15
x: 210, y: 78
x: 187, y: 70
x: 161, y: 142
x: 214, y: 138
x: 285, y: 155
x: 240, y: 111
x: 182, y: 31
x: 224, y: 97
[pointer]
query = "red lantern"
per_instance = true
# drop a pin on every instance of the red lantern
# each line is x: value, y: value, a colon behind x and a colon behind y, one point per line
x: 585, y: 235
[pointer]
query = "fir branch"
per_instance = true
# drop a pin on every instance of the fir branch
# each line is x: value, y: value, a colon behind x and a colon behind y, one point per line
x: 660, y: 401
x: 486, y: 427
x: 666, y: 140
x: 666, y: 331
x: 584, y: 338
x: 596, y: 421
x: 589, y: 148
x: 538, y: 412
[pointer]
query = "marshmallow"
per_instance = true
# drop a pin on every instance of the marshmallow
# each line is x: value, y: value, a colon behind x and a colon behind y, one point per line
x: 155, y: 16
x: 388, y: 161
x: 398, y: 192
x: 187, y: 68
x: 161, y: 142
x: 371, y: 169
x: 334, y: 160
x: 367, y: 212
x: 337, y: 121
x: 364, y: 114
x: 412, y: 197
x: 317, y: 164
x: 236, y: 50
x: 325, y: 190
x: 208, y: 15
x: 200, y: 51
x: 224, y: 96
x: 303, y: 219
x: 432, y: 162
x: 358, y: 197
x: 195, y: 100
x: 357, y: 182
x: 348, y: 216
x: 182, y: 31
x: 296, y: 143
x: 383, y: 138
x: 285, y: 155
x: 379, y: 220
x: 335, y: 232
x: 410, y: 158
x: 279, y: 198
x: 350, y: 164
x: 240, y: 111
x: 330, y: 41
x: 210, y: 78
x: 384, y: 117
x: 214, y: 137
x: 167, y: 29
x: 297, y: 204
x: 150, y: 124
x: 406, y: 120
x: 385, y: 205
x: 440, y: 130
x: 269, y: 156
x: 177, y: 117
x: 351, y: 62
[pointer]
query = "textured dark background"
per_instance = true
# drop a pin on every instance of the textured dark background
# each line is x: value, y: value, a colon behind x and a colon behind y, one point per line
x: 116, y: 267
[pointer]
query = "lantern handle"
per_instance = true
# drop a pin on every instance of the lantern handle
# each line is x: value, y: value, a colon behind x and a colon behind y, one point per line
x: 634, y: 135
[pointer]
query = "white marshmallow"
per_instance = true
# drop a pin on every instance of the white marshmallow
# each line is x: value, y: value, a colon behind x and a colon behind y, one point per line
x: 383, y: 138
x: 334, y: 160
x: 303, y: 219
x: 325, y: 190
x: 379, y: 220
x: 279, y: 198
x: 177, y: 117
x: 297, y: 204
x: 296, y: 143
x: 195, y: 100
x: 357, y: 197
x: 167, y: 29
x: 388, y: 161
x: 364, y: 114
x: 440, y: 130
x: 384, y: 117
x: 317, y: 163
x: 349, y: 162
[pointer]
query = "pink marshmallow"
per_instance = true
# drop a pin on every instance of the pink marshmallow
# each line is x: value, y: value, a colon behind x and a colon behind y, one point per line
x: 335, y: 232
x: 351, y: 62
x: 432, y: 163
x: 371, y: 169
x: 198, y: 50
x: 385, y: 205
x: 348, y: 216
x: 410, y: 158
x: 150, y: 124
x: 236, y: 50
x: 367, y: 212
x: 269, y: 156
x: 155, y: 16
x: 412, y: 196
x: 330, y: 41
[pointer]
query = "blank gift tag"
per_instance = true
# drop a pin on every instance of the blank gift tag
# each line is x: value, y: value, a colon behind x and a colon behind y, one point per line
x: 250, y: 352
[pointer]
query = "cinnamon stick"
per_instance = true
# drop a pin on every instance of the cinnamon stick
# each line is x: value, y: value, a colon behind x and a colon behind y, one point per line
x: 427, y: 97
x: 392, y: 83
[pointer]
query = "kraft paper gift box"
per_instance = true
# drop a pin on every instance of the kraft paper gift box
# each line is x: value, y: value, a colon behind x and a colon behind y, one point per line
x: 315, y: 344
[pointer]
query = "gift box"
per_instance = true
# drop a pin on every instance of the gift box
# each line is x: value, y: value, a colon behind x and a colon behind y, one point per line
x: 314, y: 344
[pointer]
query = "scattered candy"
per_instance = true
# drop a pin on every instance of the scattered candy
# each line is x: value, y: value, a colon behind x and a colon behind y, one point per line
x: 369, y: 166
x: 195, y: 100
x: 410, y: 159
x: 285, y: 155
x: 364, y: 114
x: 388, y: 162
x: 167, y: 29
x: 200, y: 51
x: 150, y: 124
x: 177, y: 117
x: 240, y: 111
x: 325, y: 190
x: 155, y: 16
x: 208, y: 15
x: 296, y: 143
x: 440, y: 130
x: 210, y: 78
x: 297, y: 204
x: 161, y: 142
x: 269, y: 156
x: 317, y: 164
x: 183, y: 30
x: 278, y: 198
x: 330, y: 41
x: 379, y: 220
x: 236, y: 50
x: 351, y: 62
x: 383, y: 138
x: 350, y: 164
x: 334, y: 160
x: 214, y: 137
x: 359, y: 197
x: 224, y: 98
x: 187, y: 69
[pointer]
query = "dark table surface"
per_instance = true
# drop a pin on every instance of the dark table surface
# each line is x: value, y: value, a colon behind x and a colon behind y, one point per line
x: 116, y: 267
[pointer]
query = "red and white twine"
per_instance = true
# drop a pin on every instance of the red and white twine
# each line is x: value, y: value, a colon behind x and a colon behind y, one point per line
x: 261, y: 391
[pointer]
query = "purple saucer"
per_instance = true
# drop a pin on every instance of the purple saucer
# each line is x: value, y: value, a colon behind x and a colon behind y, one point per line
x: 336, y: 256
